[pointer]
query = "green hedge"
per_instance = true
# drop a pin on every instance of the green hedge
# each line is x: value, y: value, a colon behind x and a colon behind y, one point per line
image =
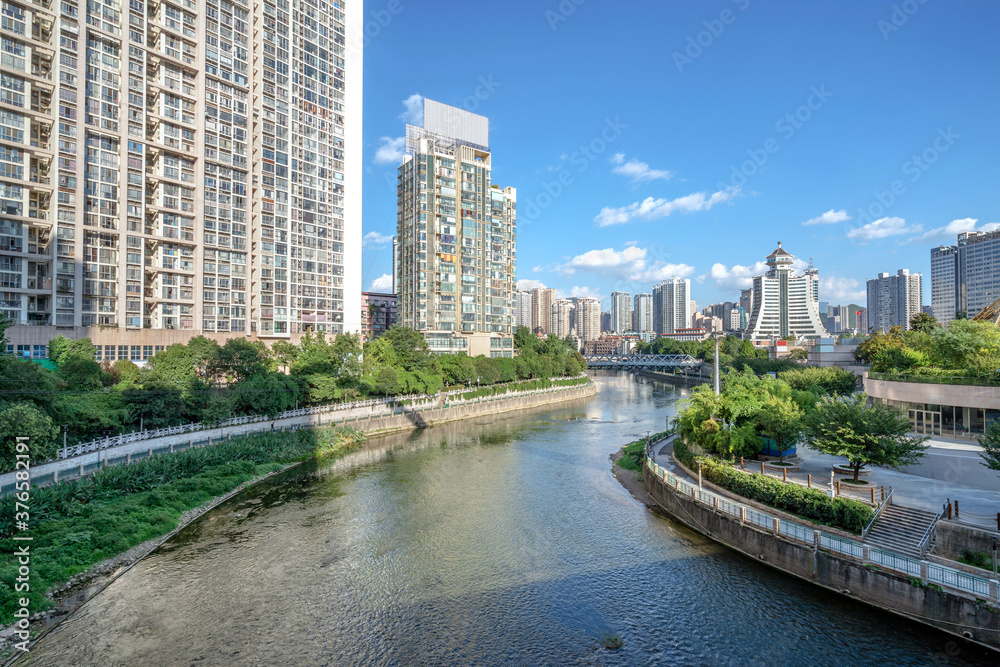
x: 811, y: 504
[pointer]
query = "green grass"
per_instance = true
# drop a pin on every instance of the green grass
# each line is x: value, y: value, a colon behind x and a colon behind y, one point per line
x: 633, y: 456
x: 77, y: 524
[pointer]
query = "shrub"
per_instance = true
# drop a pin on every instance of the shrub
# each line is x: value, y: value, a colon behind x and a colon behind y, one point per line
x: 976, y: 558
x: 850, y: 515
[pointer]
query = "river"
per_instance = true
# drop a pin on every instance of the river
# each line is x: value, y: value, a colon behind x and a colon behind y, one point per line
x: 498, y: 541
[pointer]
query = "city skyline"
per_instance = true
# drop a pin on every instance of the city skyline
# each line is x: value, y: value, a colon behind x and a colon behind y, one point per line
x: 805, y: 159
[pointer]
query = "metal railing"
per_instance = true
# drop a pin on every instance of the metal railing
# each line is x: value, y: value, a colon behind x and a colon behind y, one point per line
x: 925, y: 540
x: 389, y: 404
x: 928, y: 573
x: 936, y: 379
x: 888, y: 499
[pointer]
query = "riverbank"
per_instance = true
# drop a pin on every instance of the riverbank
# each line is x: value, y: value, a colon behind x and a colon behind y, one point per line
x: 927, y: 595
x: 674, y: 379
x: 91, y: 531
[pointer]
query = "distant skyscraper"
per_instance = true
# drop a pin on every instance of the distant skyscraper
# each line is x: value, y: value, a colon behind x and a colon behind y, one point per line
x: 522, y: 309
x: 746, y: 307
x: 785, y: 304
x: 588, y: 319
x: 965, y: 277
x: 541, y: 309
x: 672, y: 305
x: 457, y: 236
x: 561, y: 319
x: 894, y: 299
x: 642, y: 312
x: 621, y: 312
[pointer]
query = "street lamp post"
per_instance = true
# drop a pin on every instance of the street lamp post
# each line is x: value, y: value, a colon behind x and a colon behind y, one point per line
x: 717, y: 389
x: 64, y: 440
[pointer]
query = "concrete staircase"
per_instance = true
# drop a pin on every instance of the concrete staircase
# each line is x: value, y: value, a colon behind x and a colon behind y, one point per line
x: 900, y: 529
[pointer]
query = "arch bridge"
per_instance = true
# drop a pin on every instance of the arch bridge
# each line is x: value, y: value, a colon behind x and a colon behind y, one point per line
x: 641, y: 362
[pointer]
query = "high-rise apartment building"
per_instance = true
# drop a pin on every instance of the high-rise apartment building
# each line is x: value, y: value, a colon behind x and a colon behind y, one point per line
x: 541, y: 309
x: 561, y: 317
x: 457, y: 235
x: 785, y: 304
x: 642, y: 312
x: 621, y: 312
x: 965, y: 277
x: 170, y: 168
x: 672, y: 305
x: 588, y: 318
x: 522, y: 309
x: 378, y: 314
x: 944, y: 283
x: 894, y: 299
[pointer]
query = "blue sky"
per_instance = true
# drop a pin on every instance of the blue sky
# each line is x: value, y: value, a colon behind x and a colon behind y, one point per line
x: 650, y: 139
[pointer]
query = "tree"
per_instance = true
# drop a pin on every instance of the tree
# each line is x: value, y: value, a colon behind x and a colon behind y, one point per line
x: 878, y: 342
x: 781, y: 420
x: 285, y: 353
x: 62, y: 348
x: 269, y: 393
x: 866, y: 434
x: 240, y: 359
x: 26, y: 420
x: 991, y: 446
x: 964, y: 342
x: 410, y: 346
x: 923, y: 322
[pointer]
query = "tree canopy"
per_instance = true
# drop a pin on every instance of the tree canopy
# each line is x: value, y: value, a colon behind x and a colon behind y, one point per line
x: 864, y: 433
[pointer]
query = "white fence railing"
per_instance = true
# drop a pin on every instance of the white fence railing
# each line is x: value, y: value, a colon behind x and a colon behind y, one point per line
x: 385, y: 405
x: 927, y: 572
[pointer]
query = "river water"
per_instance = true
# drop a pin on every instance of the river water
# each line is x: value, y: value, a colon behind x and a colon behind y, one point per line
x: 497, y: 541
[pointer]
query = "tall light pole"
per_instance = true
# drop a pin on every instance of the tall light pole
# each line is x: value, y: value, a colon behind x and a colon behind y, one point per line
x: 717, y: 389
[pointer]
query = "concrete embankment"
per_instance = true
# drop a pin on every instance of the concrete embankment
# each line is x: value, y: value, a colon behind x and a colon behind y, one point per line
x: 406, y: 417
x: 965, y: 616
x: 679, y: 380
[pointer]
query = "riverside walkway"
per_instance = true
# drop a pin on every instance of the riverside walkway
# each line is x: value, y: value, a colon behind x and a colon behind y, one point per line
x: 663, y: 466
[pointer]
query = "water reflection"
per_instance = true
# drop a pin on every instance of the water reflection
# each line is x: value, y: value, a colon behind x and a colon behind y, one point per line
x: 502, y: 540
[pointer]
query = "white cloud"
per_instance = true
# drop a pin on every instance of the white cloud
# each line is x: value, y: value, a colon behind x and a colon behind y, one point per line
x: 737, y: 277
x: 382, y: 284
x: 828, y: 218
x: 638, y: 172
x: 951, y: 230
x: 391, y: 150
x: 841, y: 290
x: 375, y: 240
x: 607, y: 261
x: 581, y: 291
x: 630, y: 264
x: 529, y: 284
x: 882, y: 228
x: 653, y: 209
x: 414, y: 113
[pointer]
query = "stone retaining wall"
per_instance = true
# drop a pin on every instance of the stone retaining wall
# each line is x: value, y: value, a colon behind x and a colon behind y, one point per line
x: 951, y: 613
x: 951, y: 537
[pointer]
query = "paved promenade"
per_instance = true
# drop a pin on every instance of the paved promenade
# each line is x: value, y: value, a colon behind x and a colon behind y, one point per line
x: 951, y: 469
